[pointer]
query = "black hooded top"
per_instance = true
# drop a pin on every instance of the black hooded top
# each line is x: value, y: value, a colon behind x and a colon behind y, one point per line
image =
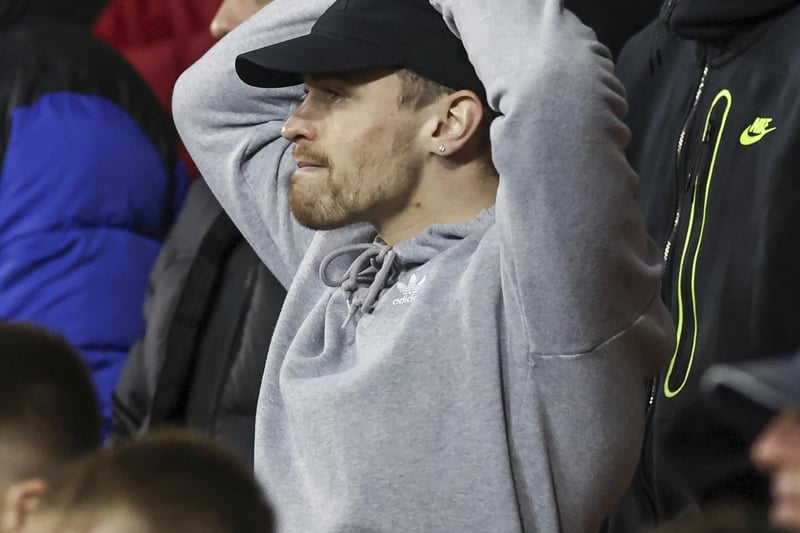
x: 712, y: 88
x: 614, y: 21
x: 719, y: 20
x: 84, y: 12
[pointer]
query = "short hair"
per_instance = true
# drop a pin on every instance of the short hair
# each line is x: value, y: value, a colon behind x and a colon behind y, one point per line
x: 48, y: 408
x: 417, y: 91
x: 170, y: 480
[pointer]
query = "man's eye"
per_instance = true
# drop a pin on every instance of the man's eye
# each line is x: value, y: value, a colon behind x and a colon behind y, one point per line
x: 323, y: 95
x: 333, y: 94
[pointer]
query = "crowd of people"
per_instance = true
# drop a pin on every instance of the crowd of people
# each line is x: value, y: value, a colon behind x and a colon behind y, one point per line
x: 398, y: 265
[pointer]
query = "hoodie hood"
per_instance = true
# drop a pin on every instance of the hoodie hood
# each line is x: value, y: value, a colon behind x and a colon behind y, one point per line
x: 719, y: 20
x: 83, y: 12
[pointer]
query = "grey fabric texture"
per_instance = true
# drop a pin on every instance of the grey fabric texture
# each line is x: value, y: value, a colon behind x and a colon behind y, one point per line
x: 497, y: 382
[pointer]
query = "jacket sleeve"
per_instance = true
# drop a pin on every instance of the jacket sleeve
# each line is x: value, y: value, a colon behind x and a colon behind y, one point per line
x: 157, y: 378
x: 232, y: 132
x: 130, y: 399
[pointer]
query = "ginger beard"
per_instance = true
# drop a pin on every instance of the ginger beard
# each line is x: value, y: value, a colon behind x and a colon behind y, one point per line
x: 378, y: 184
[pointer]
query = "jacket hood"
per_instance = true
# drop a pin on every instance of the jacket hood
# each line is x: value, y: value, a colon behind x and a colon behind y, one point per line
x: 709, y: 20
x: 15, y: 12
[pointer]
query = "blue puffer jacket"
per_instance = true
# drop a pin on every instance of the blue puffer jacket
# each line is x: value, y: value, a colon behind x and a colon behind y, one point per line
x: 88, y: 191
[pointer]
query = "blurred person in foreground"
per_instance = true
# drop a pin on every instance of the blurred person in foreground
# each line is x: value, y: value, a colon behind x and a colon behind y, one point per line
x: 473, y: 301
x: 762, y: 397
x: 171, y: 482
x: 777, y: 452
x: 48, y: 414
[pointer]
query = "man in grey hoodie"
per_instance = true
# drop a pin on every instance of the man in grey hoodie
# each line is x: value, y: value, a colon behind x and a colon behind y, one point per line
x: 472, y: 313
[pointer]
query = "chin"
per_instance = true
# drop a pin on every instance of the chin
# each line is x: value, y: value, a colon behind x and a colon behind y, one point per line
x: 309, y: 217
x: 320, y: 210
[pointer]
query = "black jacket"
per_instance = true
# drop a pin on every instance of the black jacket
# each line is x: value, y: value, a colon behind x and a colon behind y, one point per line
x: 715, y: 115
x: 211, y: 310
x: 614, y: 21
x: 16, y: 12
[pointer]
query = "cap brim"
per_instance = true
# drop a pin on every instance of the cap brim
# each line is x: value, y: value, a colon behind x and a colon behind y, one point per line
x: 753, y: 391
x: 284, y: 64
x: 772, y: 383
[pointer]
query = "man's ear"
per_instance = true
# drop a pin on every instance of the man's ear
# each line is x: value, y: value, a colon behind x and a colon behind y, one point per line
x: 19, y: 500
x: 461, y: 114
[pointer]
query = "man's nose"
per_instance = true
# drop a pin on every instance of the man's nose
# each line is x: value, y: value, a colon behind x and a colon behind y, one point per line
x: 298, y: 126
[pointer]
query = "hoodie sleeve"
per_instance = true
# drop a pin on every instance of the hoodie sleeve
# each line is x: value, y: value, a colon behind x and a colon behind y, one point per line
x: 575, y: 254
x: 232, y: 132
x: 580, y: 276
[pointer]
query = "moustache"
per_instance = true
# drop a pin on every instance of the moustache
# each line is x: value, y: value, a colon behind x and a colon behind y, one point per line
x: 310, y: 156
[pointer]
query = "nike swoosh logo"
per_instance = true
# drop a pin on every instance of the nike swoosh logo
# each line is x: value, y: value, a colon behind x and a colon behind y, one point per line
x: 756, y: 131
x: 748, y: 138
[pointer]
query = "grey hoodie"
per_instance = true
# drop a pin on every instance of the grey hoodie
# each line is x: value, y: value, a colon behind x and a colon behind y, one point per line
x: 490, y: 374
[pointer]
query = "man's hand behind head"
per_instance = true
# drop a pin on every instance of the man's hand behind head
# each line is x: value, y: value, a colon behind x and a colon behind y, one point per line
x: 231, y: 13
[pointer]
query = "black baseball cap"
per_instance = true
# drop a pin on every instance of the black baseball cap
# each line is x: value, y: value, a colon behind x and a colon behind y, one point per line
x: 363, y: 34
x: 749, y: 393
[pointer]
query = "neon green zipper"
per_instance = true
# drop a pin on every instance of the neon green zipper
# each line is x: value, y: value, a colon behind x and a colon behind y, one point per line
x: 697, y: 223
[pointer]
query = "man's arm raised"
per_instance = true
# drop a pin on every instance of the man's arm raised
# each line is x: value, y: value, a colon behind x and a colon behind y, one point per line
x: 232, y: 132
x: 576, y: 260
x: 574, y: 241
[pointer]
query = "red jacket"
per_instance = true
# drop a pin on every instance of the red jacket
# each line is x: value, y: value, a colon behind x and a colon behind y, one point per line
x: 160, y: 38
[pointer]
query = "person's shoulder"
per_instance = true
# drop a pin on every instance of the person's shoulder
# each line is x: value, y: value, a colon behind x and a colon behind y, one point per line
x: 46, y: 35
x: 62, y: 56
x: 637, y: 51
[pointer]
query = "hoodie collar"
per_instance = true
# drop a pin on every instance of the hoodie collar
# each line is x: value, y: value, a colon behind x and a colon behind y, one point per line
x: 375, y: 265
x: 719, y: 20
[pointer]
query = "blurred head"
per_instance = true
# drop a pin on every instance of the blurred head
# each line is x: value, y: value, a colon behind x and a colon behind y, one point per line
x: 231, y: 13
x: 776, y: 452
x: 168, y: 482
x: 48, y: 410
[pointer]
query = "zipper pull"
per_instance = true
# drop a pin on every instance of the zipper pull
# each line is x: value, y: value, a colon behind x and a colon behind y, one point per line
x: 693, y: 172
x: 711, y: 130
x: 652, y: 395
x: 702, y: 154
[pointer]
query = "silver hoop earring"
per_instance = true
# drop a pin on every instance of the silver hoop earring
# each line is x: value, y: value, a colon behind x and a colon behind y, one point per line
x: 442, y: 148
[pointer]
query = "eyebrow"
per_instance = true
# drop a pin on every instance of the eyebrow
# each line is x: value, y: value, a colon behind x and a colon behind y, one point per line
x: 353, y: 77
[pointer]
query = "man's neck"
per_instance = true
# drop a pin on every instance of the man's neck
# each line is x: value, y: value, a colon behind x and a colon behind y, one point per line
x: 447, y: 198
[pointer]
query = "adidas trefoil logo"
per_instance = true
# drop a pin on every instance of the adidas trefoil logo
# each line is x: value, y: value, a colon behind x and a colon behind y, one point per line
x: 756, y: 131
x: 409, y: 291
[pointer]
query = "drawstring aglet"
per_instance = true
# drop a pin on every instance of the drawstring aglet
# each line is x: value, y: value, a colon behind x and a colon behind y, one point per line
x: 351, y: 310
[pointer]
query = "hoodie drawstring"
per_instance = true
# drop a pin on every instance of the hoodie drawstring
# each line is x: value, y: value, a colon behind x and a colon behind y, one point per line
x: 373, y: 266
